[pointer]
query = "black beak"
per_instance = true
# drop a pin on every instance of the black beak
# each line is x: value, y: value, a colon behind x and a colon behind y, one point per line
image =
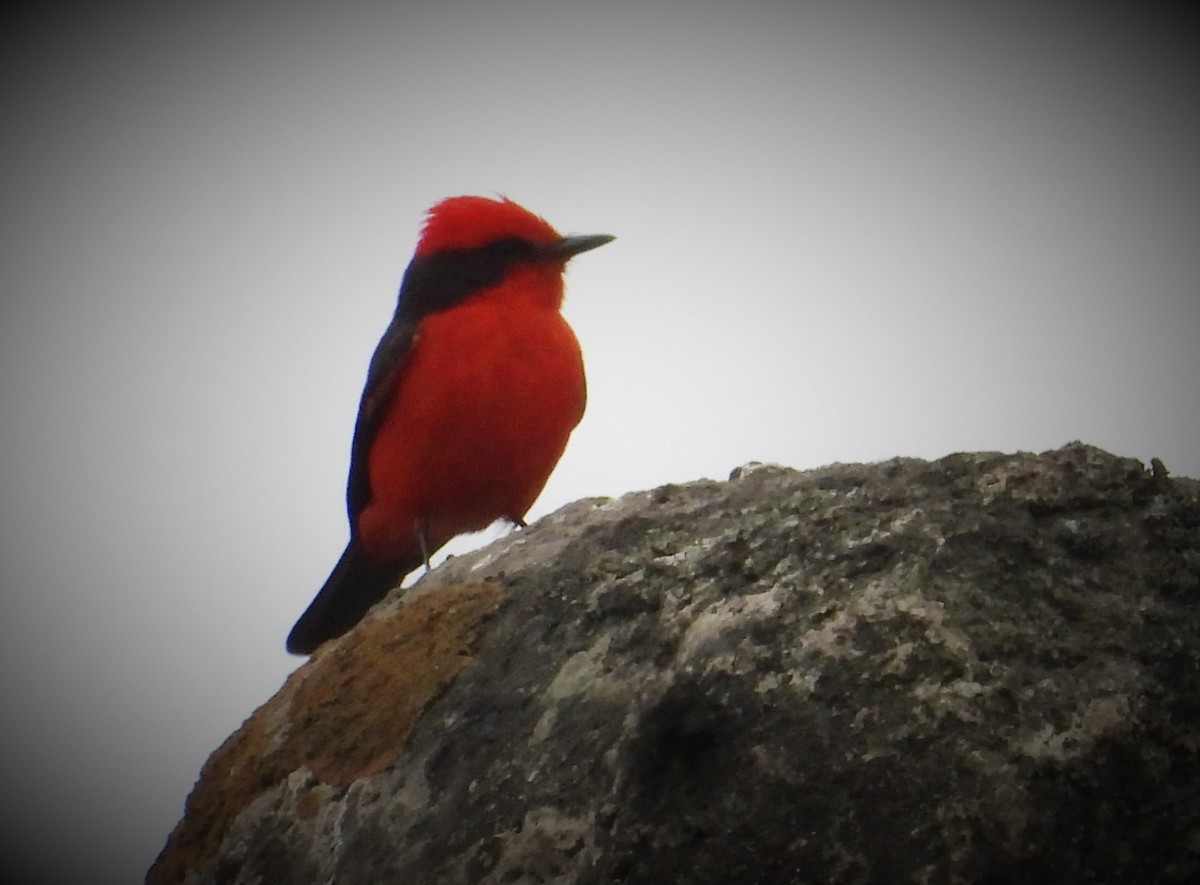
x: 569, y: 247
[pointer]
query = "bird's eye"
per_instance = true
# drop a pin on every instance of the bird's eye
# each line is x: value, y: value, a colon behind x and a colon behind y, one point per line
x: 513, y: 249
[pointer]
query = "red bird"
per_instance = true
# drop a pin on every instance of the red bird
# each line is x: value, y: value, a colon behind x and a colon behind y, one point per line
x: 469, y: 401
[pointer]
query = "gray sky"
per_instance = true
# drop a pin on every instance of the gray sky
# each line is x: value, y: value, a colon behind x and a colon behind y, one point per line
x: 847, y: 231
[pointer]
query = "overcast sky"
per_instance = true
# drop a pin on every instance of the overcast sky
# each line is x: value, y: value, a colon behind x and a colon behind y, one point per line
x: 847, y: 231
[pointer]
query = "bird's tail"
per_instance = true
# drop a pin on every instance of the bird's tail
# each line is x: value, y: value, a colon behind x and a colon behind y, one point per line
x: 355, y: 585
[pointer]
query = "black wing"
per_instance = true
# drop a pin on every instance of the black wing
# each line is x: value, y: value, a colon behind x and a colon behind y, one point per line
x: 387, y: 367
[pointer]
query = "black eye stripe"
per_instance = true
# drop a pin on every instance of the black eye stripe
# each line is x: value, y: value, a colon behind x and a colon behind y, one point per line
x: 437, y: 282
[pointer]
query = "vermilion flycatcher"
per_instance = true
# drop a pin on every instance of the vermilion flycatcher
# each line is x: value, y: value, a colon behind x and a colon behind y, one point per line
x: 469, y: 400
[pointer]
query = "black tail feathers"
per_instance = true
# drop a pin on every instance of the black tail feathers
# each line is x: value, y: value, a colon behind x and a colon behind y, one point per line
x: 355, y: 585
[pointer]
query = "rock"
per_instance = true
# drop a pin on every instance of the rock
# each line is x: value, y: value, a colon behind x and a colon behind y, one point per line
x: 978, y: 669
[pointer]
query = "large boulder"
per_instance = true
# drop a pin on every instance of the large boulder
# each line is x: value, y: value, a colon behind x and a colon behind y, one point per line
x: 979, y: 669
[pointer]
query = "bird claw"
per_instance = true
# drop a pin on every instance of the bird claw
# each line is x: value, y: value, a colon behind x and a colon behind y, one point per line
x: 421, y: 527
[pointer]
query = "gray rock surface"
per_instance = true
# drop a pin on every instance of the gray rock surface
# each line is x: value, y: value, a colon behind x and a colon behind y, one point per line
x: 979, y: 669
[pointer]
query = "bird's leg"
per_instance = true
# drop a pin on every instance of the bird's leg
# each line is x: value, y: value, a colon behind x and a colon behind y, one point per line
x: 421, y: 527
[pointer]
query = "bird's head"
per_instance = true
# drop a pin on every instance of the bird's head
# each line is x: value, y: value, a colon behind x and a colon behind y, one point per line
x: 464, y: 223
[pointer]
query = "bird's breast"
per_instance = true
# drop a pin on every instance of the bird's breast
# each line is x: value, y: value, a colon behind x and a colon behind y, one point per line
x: 489, y: 397
x: 514, y: 372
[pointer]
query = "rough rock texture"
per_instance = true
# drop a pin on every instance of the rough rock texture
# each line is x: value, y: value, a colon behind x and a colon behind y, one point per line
x: 979, y: 669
